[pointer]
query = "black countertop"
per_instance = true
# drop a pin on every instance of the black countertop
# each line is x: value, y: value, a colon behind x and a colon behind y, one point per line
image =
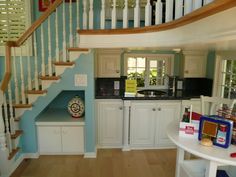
x: 178, y: 95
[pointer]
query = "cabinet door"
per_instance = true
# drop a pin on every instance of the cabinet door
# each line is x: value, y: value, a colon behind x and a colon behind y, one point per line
x: 108, y: 65
x: 72, y: 139
x: 142, y: 124
x: 49, y: 139
x: 166, y: 113
x: 110, y: 123
x: 194, y: 64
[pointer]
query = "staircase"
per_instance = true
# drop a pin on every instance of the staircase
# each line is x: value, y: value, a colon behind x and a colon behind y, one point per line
x: 29, y: 77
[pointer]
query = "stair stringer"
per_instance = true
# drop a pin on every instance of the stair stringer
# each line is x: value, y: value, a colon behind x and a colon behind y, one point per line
x: 83, y: 65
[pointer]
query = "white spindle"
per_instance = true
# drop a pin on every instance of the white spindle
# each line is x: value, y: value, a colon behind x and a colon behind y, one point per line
x: 7, y: 128
x: 207, y: 1
x: 137, y: 14
x: 64, y: 32
x: 71, y: 23
x: 12, y: 121
x: 17, y: 100
x: 188, y: 6
x: 78, y: 20
x: 169, y: 11
x: 2, y: 125
x: 43, y: 50
x: 91, y: 14
x: 23, y: 99
x: 148, y: 13
x: 29, y: 72
x: 102, y: 16
x: 85, y: 18
x: 158, y: 13
x: 36, y: 76
x: 49, y: 48
x: 125, y: 15
x: 197, y: 4
x: 113, y: 15
x: 178, y: 9
x: 57, y: 37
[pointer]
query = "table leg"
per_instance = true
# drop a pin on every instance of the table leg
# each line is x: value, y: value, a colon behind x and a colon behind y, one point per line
x: 179, y: 160
x: 211, y: 169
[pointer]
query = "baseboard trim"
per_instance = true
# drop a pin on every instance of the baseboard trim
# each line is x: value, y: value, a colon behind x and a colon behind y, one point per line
x: 90, y: 155
x: 31, y: 155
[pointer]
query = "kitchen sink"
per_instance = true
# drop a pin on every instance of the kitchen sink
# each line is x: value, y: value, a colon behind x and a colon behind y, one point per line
x: 152, y: 93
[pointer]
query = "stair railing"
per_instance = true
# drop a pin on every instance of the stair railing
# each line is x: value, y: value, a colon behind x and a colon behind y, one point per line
x: 47, y: 49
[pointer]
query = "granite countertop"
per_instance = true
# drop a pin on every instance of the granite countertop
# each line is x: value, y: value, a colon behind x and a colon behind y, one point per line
x: 178, y: 95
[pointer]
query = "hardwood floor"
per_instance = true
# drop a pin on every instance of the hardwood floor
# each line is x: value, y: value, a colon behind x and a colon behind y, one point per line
x: 109, y: 163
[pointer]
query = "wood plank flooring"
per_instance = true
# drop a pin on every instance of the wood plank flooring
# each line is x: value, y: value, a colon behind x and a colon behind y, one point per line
x: 109, y: 163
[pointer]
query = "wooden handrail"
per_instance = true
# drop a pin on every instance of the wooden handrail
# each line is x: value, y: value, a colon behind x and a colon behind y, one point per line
x: 22, y: 39
x: 203, y: 12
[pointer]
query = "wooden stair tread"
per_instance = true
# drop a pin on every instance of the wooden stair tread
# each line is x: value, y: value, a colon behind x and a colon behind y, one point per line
x: 17, y: 134
x: 13, y: 153
x: 78, y: 49
x: 64, y: 63
x: 22, y: 105
x: 36, y: 91
x: 50, y: 77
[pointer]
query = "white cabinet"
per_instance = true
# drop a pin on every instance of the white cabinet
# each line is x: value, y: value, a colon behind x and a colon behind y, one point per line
x: 108, y: 63
x: 194, y: 64
x: 148, y: 122
x: 60, y: 139
x: 59, y: 133
x: 109, y: 117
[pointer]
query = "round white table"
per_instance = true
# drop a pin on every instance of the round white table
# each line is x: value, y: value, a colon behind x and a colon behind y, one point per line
x: 215, y: 156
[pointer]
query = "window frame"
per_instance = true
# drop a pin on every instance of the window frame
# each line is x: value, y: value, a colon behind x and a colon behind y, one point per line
x: 27, y: 47
x: 170, y: 67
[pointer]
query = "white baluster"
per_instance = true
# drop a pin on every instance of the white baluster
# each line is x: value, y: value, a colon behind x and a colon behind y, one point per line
x: 197, y: 4
x: 148, y: 13
x: 102, y: 16
x: 49, y: 48
x: 169, y: 11
x: 2, y: 125
x: 71, y: 23
x: 8, y: 135
x: 158, y: 13
x: 12, y: 121
x: 29, y: 71
x: 23, y: 99
x: 43, y: 54
x: 64, y: 32
x: 91, y: 14
x: 178, y: 9
x: 57, y: 37
x: 207, y: 1
x: 125, y: 15
x: 85, y: 18
x: 78, y: 20
x: 17, y: 100
x: 188, y: 6
x: 137, y: 14
x: 36, y: 76
x: 113, y: 15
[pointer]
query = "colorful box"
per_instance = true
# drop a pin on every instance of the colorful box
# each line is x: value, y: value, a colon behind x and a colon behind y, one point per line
x: 189, y: 130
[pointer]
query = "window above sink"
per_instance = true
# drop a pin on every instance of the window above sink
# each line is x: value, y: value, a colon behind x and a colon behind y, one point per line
x: 150, y: 70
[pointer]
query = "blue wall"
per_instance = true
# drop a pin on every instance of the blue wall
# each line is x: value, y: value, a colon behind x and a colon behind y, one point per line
x: 84, y: 65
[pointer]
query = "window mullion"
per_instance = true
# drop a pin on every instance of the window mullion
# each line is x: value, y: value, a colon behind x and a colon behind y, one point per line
x: 230, y: 76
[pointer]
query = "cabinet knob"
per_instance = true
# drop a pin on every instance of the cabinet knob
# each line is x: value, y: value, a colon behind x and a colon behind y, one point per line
x: 153, y: 109
x: 121, y: 108
x: 159, y: 109
x: 117, y: 71
x: 186, y: 71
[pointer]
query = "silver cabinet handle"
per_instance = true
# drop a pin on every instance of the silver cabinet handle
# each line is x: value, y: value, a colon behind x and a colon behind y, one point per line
x: 159, y: 109
x: 153, y: 109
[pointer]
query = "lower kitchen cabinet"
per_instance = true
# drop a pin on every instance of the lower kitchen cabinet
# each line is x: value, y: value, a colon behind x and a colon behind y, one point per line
x: 148, y: 123
x: 59, y: 133
x: 109, y: 117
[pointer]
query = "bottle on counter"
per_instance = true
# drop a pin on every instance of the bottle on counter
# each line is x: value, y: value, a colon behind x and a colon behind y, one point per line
x: 185, y: 116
